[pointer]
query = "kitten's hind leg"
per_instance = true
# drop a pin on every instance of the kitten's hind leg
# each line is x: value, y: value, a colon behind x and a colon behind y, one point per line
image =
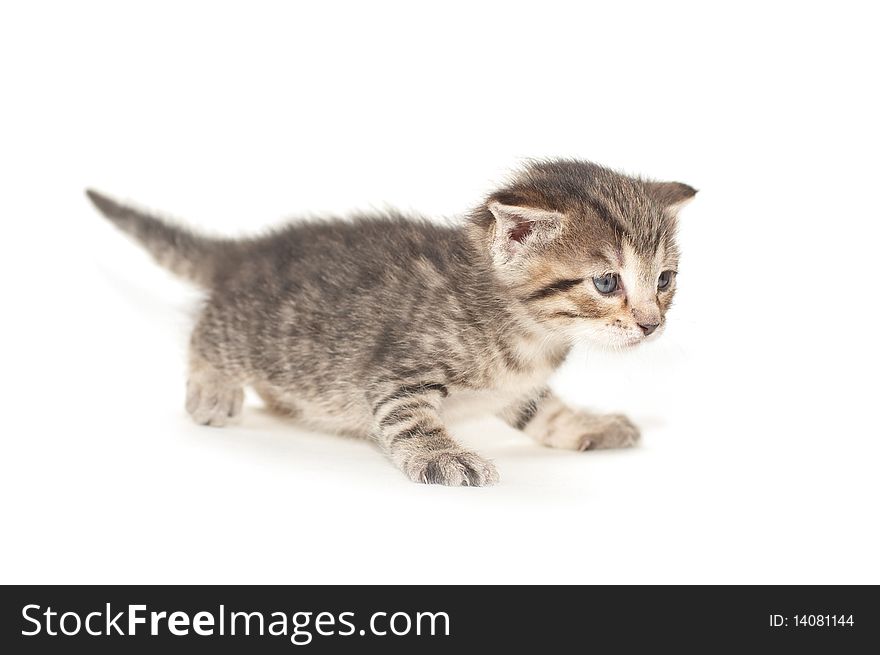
x: 275, y: 402
x: 552, y: 423
x: 212, y: 397
x: 409, y: 429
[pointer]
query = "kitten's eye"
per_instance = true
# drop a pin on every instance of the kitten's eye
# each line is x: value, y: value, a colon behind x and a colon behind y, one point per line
x: 664, y: 280
x: 606, y: 283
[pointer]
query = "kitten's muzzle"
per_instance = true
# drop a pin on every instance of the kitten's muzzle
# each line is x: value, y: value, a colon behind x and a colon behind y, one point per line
x: 648, y: 328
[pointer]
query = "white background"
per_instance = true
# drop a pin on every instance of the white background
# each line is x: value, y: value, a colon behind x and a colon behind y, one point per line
x: 760, y: 453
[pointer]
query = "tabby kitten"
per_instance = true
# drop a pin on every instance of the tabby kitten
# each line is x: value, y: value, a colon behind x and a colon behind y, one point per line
x: 386, y: 326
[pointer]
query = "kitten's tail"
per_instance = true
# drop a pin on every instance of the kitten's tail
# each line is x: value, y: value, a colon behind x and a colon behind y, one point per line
x: 192, y: 256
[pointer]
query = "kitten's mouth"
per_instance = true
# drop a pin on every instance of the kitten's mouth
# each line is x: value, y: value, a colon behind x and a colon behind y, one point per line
x: 636, y: 341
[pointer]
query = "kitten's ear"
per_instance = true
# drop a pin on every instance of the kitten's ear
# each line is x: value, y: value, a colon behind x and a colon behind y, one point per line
x: 672, y: 195
x: 518, y: 227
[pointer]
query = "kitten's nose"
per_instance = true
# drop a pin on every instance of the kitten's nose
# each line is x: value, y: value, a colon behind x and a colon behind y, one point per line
x: 648, y: 328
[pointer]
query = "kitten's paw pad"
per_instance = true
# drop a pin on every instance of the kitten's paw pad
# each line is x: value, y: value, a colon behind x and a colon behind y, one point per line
x: 453, y: 468
x: 610, y: 431
x: 213, y: 405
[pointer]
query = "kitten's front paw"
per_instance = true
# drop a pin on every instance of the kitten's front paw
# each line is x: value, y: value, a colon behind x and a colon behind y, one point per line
x: 582, y: 431
x: 610, y: 431
x: 453, y: 468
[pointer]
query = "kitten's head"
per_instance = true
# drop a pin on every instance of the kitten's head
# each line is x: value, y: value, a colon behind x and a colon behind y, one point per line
x: 589, y: 253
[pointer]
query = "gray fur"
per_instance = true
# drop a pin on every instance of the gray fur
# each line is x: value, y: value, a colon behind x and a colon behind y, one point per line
x: 379, y: 325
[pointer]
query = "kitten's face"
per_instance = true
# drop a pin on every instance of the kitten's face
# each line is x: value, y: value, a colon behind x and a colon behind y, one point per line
x: 591, y: 254
x: 618, y: 296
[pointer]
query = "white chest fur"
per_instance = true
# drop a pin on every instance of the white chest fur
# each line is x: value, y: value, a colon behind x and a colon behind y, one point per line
x: 465, y: 404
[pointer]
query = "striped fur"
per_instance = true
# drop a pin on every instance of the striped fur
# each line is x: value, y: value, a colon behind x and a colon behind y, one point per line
x: 389, y: 326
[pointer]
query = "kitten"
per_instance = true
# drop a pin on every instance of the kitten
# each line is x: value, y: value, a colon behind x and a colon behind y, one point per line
x: 385, y: 326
